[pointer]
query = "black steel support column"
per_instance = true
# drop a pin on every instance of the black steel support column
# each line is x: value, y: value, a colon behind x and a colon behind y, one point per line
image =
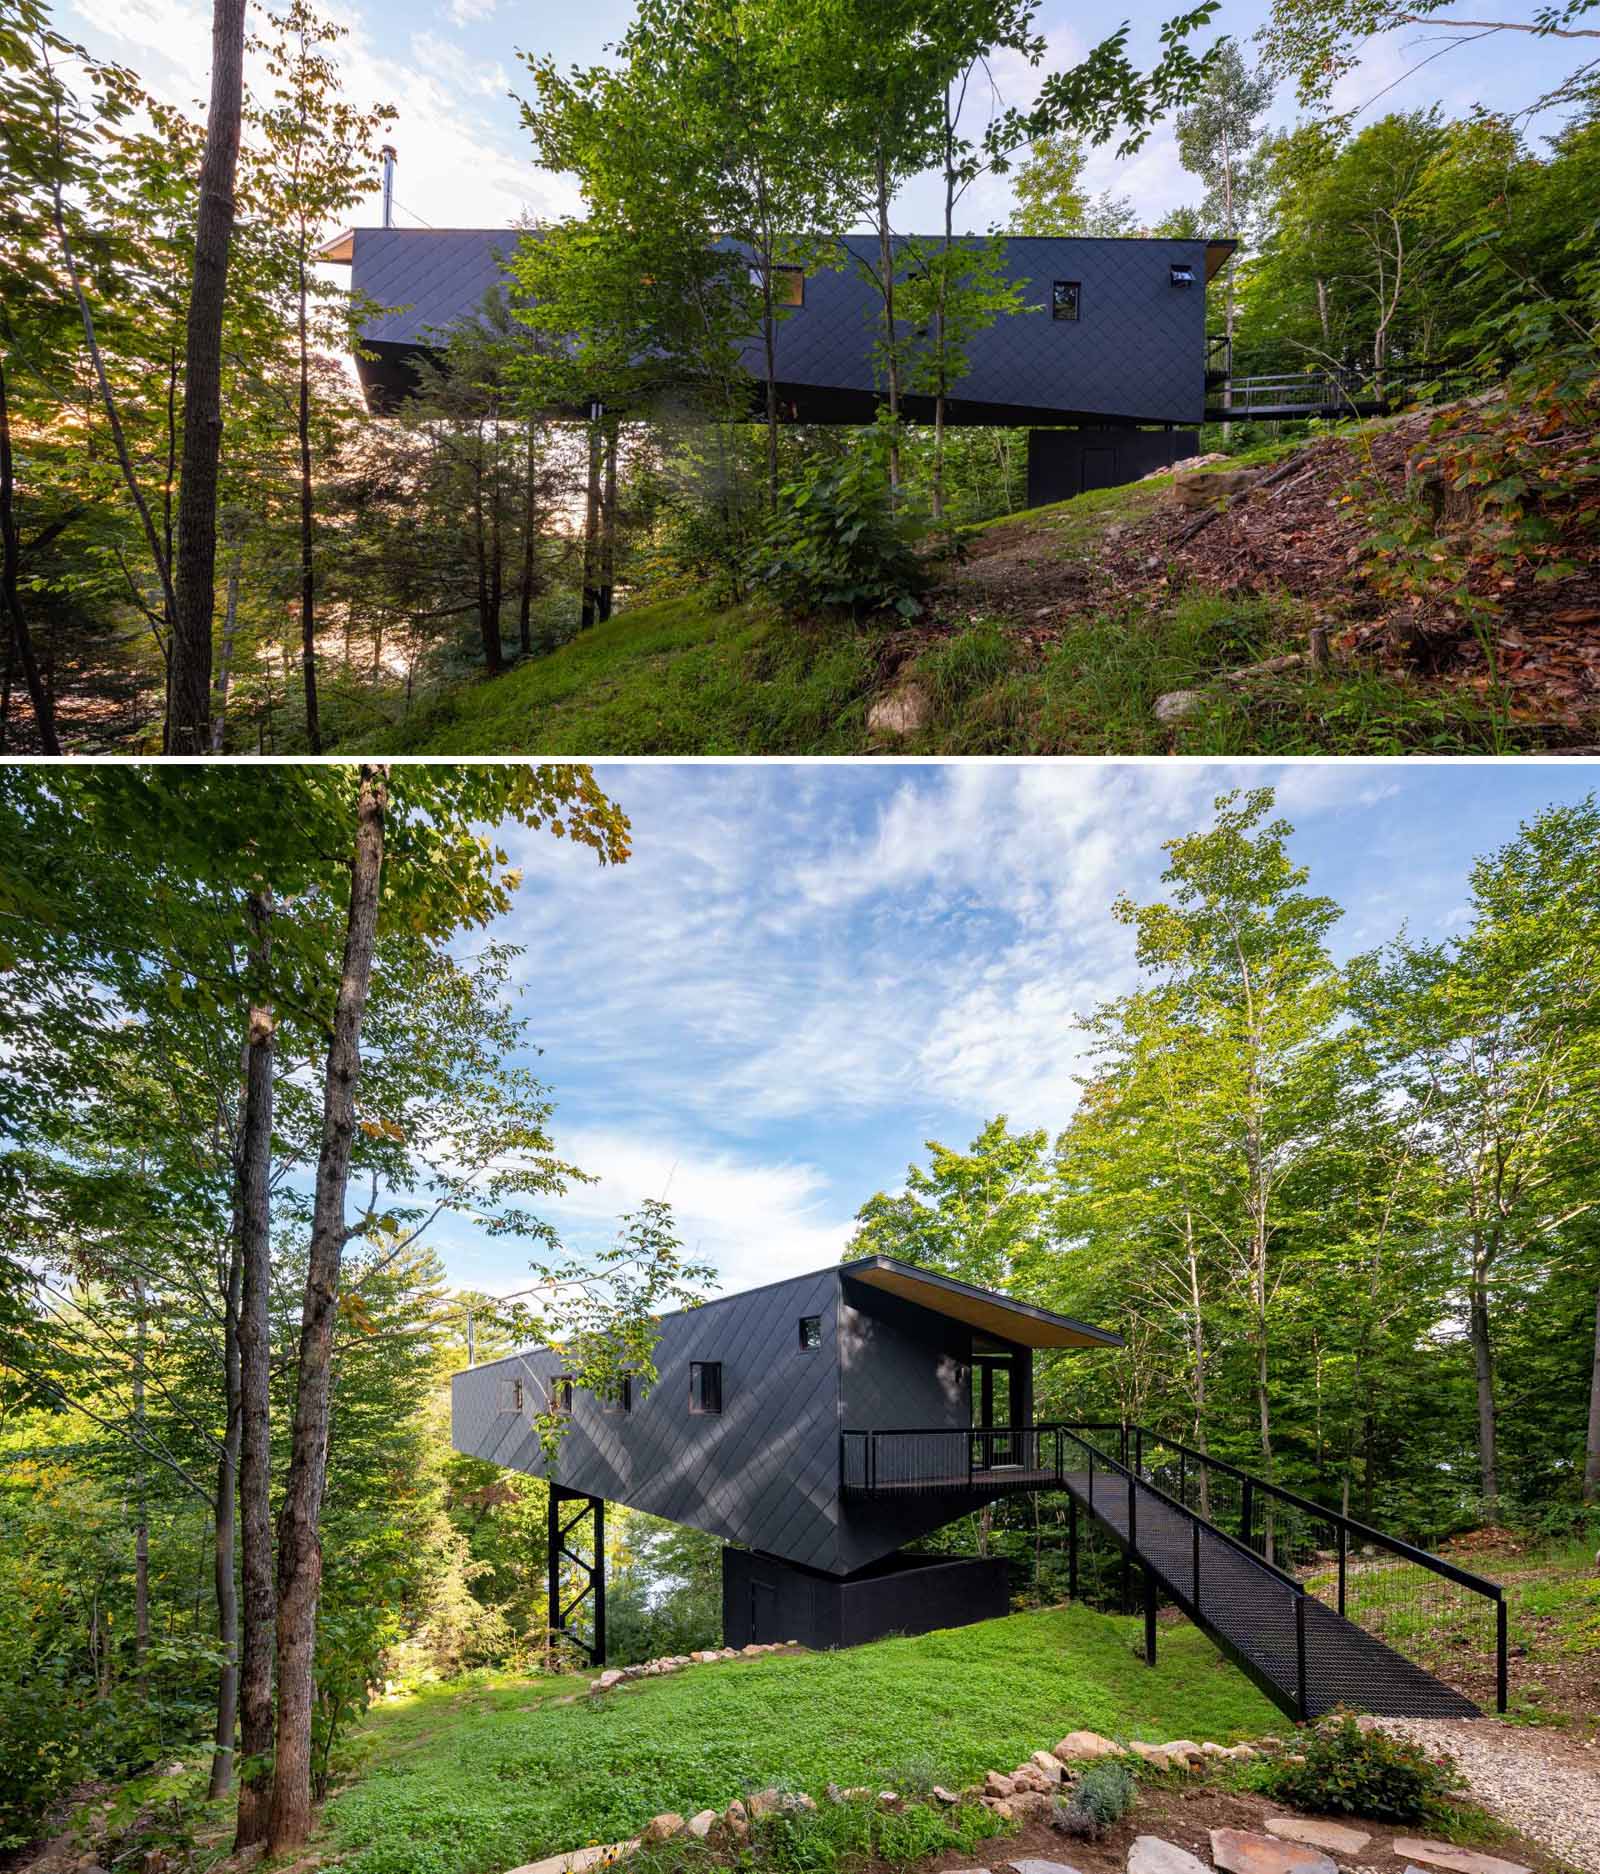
x: 1072, y: 1548
x: 591, y: 1569
x: 1149, y: 1617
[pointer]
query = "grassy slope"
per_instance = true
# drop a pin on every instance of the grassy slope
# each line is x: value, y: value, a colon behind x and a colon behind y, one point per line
x: 464, y: 1779
x: 682, y: 678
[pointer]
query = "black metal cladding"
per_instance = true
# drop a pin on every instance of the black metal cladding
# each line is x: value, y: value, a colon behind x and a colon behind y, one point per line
x: 1134, y: 350
x: 763, y: 1471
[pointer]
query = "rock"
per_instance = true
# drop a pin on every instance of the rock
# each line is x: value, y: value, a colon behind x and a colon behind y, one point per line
x: 765, y: 1802
x: 1030, y: 1776
x: 1033, y: 1864
x: 834, y: 1793
x: 994, y: 1784
x: 736, y: 1819
x: 1048, y: 1767
x: 1176, y: 704
x: 701, y: 1825
x: 1183, y: 1749
x: 946, y: 1796
x: 580, y: 1860
x: 751, y: 1651
x: 1151, y: 1855
x: 1240, y: 1852
x: 1333, y: 1836
x: 1030, y: 1805
x: 664, y: 1826
x: 1076, y: 1746
x: 606, y: 1680
x: 903, y: 711
x: 1191, y: 490
x: 888, y: 1799
x: 1153, y: 1754
x: 1457, y: 1860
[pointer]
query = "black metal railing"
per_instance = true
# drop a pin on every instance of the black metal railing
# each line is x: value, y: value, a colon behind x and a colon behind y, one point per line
x: 1443, y: 1617
x: 1219, y: 357
x: 924, y: 1461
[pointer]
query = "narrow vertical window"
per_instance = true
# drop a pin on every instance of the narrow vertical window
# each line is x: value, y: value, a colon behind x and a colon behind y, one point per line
x: 705, y: 1385
x: 810, y: 1332
x: 1065, y: 298
x: 620, y: 1397
x: 561, y: 1395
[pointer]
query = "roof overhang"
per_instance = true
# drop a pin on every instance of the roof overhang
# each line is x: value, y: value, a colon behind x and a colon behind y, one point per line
x: 1000, y: 1315
x: 341, y: 250
x: 1217, y: 255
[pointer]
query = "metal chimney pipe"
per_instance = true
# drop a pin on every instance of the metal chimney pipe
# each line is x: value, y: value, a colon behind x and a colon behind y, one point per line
x: 390, y: 158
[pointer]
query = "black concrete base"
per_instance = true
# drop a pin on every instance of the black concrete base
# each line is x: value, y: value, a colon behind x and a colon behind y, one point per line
x: 1067, y: 462
x: 764, y: 1600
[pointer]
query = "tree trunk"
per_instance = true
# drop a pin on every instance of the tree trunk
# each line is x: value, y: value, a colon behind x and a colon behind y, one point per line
x: 1591, y: 1464
x: 44, y: 714
x: 141, y: 1527
x: 891, y: 346
x: 1483, y: 1375
x: 223, y: 1558
x: 299, y: 1542
x: 591, y: 529
x: 497, y: 562
x: 1199, y: 1344
x: 194, y: 585
x: 308, y: 602
x: 608, y: 532
x: 255, y: 1412
x: 488, y: 626
x: 230, y: 625
x: 529, y: 518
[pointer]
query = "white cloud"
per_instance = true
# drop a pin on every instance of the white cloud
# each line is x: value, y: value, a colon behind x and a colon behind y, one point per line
x: 752, y: 1219
x: 463, y: 12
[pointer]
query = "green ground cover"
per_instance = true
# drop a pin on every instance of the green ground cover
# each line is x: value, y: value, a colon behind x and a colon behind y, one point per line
x: 493, y: 1772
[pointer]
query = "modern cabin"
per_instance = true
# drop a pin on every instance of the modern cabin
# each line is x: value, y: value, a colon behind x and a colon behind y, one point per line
x: 1110, y: 353
x: 818, y: 1424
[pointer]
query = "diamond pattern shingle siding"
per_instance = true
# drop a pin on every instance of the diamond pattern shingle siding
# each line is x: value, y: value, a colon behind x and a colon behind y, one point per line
x: 1136, y: 352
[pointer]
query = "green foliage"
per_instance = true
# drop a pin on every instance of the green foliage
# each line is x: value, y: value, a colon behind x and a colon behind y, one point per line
x: 469, y: 1779
x: 1353, y: 1770
x: 842, y: 540
x: 1103, y: 1795
x: 840, y: 1835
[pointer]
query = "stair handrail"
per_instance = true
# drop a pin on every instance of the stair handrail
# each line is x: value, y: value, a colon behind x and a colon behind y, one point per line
x: 1463, y: 1577
x: 1233, y: 1542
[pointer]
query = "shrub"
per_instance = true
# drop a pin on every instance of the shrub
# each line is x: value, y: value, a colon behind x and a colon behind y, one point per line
x: 839, y: 542
x: 1370, y: 1773
x: 1104, y: 1794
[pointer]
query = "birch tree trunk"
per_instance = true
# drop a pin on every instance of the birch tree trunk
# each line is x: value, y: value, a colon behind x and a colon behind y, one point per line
x: 255, y: 1424
x: 223, y: 1582
x: 194, y: 581
x: 1591, y: 1463
x: 299, y: 1541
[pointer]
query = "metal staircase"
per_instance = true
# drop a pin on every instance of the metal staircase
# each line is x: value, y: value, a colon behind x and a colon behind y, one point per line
x: 1307, y: 1656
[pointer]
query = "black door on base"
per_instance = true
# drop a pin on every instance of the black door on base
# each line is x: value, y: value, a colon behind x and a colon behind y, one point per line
x: 764, y: 1613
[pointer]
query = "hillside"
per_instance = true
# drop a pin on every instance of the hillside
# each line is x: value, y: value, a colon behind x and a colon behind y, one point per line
x: 471, y: 1778
x: 1061, y: 630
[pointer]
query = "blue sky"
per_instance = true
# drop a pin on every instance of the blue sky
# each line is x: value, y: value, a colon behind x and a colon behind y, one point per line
x: 807, y: 970
x: 449, y: 65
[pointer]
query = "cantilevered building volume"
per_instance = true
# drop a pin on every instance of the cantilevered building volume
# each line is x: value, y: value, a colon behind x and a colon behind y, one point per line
x: 1109, y: 362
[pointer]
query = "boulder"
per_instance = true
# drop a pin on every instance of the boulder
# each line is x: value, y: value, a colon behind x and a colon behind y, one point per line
x: 904, y: 710
x: 1333, y: 1836
x: 1457, y: 1860
x: 1155, y: 1755
x: 1151, y: 1855
x: 994, y: 1784
x: 701, y: 1825
x: 1192, y: 490
x: 1048, y: 1767
x: 606, y: 1680
x: 1174, y: 705
x: 1077, y: 1746
x: 1238, y: 1851
x: 1186, y: 1750
x: 766, y: 1802
x: 736, y: 1819
x: 1030, y: 1776
x: 946, y: 1796
x: 664, y: 1826
x: 888, y: 1799
x: 751, y: 1651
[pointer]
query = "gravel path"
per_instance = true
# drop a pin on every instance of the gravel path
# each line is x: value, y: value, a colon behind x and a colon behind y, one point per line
x: 1516, y: 1774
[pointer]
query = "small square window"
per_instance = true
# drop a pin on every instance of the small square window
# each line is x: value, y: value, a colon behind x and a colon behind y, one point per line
x: 1182, y: 273
x: 788, y: 286
x: 620, y: 1397
x: 1065, y: 298
x: 705, y: 1385
x: 510, y: 1395
x: 810, y: 1332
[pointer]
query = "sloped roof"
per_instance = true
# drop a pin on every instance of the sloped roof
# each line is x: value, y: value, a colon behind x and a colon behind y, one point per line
x: 982, y: 1308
